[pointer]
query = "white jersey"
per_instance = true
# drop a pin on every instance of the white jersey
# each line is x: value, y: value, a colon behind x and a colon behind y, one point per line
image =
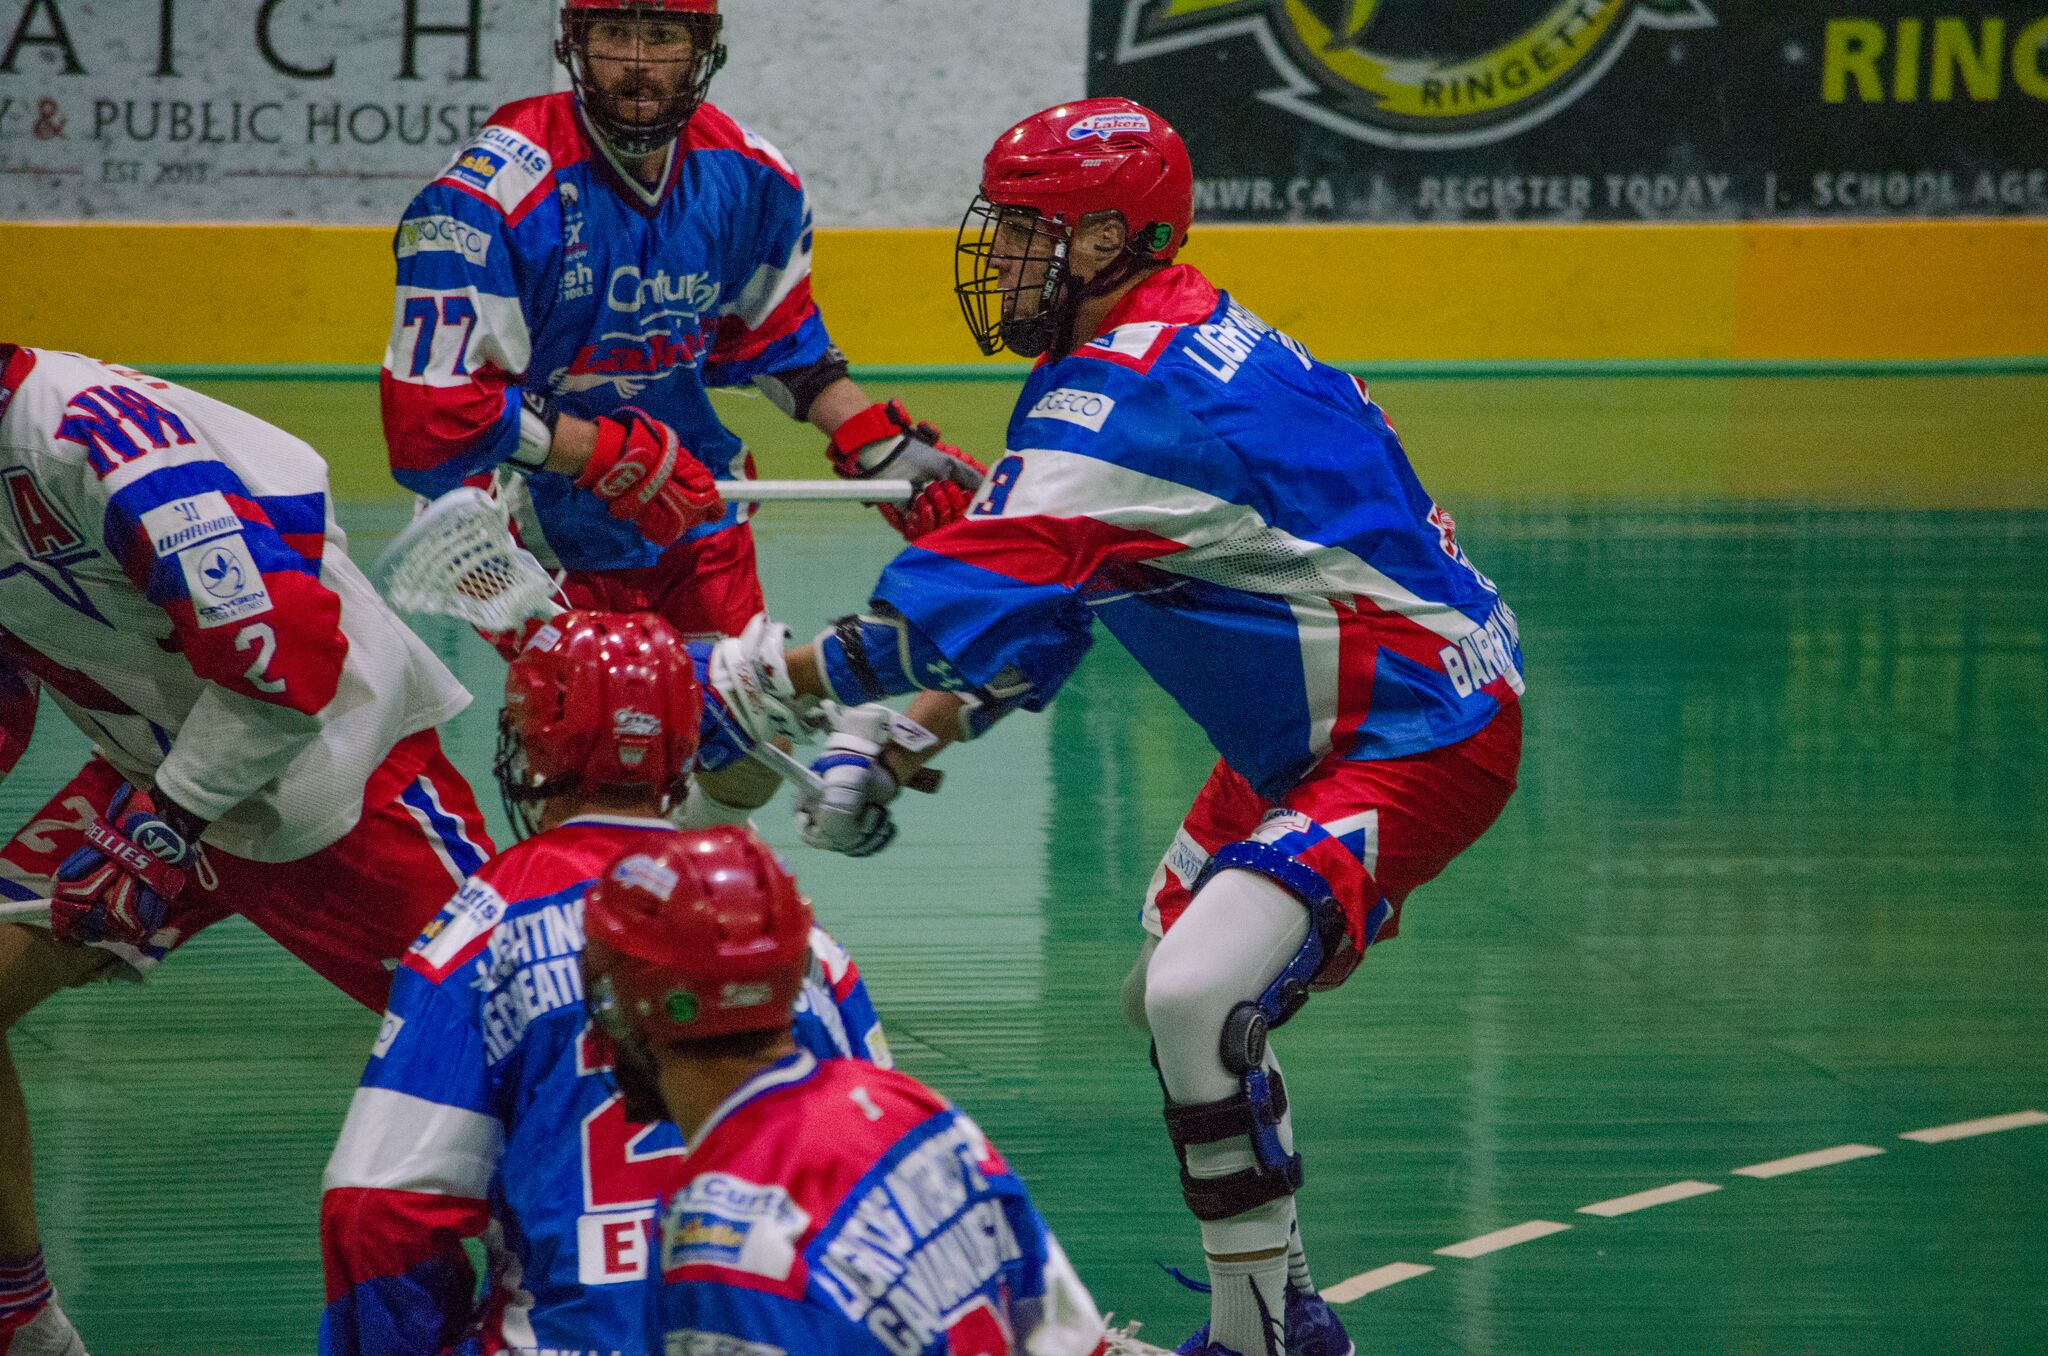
x: 171, y: 569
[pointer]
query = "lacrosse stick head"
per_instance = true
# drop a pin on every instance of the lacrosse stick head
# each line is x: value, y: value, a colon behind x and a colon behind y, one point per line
x: 458, y: 558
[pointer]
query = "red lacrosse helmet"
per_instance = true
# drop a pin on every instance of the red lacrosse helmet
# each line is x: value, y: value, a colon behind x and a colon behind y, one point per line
x: 1060, y: 167
x: 597, y: 701
x: 697, y: 935
x: 675, y: 102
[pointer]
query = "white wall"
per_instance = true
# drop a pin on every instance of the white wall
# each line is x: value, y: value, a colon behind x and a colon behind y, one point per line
x: 886, y: 107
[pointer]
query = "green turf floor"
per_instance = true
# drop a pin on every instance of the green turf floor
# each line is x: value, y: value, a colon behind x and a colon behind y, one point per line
x: 1773, y: 884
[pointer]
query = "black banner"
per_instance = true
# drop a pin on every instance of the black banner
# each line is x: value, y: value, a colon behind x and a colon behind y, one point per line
x: 1576, y: 110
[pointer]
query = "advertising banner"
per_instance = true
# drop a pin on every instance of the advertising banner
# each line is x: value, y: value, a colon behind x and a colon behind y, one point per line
x: 1577, y: 110
x: 321, y: 111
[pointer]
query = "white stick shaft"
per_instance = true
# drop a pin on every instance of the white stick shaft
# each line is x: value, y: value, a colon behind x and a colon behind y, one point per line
x: 35, y: 911
x: 816, y: 491
x: 797, y: 774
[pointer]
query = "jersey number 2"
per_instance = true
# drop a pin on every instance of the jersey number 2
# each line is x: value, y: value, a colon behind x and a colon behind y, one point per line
x: 616, y: 1174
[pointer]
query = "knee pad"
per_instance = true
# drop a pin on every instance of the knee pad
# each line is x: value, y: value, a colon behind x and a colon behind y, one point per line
x: 1255, y: 1114
x: 1326, y: 949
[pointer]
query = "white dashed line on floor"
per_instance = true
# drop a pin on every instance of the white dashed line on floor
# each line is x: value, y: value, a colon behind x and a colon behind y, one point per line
x: 1379, y: 1278
x: 1988, y: 1125
x: 1819, y: 1158
x: 1643, y: 1200
x: 1503, y: 1238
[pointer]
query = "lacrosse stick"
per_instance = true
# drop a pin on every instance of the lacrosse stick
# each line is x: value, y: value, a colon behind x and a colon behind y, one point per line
x: 35, y: 912
x: 459, y: 559
x: 818, y: 491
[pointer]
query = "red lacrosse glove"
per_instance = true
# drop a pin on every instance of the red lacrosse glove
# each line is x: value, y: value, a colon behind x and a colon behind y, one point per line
x: 644, y: 476
x: 119, y: 887
x: 881, y: 443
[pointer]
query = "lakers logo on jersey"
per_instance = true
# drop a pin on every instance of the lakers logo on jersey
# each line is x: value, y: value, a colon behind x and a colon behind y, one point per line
x: 1416, y: 76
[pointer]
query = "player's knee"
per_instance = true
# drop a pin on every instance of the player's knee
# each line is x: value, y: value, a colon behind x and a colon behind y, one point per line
x: 1184, y: 999
x: 1133, y: 997
x: 34, y: 965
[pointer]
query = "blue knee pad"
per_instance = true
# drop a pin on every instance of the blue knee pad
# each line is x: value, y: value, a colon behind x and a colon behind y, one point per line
x: 1253, y: 1114
x: 1327, y: 936
x: 1256, y: 1111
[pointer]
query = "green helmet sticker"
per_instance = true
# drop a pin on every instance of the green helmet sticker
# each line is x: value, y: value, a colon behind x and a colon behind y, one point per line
x: 681, y: 1006
x: 1159, y: 235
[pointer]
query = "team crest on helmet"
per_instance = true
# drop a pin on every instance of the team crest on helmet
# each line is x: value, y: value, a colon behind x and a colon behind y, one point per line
x: 1540, y: 57
x: 643, y: 872
x: 1103, y: 126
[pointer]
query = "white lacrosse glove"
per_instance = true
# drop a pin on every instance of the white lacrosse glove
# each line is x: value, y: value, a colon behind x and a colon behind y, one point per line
x: 849, y: 814
x: 750, y: 674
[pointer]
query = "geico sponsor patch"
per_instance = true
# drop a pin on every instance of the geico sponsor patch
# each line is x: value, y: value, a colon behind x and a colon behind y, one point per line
x: 189, y: 522
x: 387, y: 1035
x: 443, y: 235
x: 725, y: 1221
x: 690, y: 1342
x: 225, y: 585
x: 1089, y: 409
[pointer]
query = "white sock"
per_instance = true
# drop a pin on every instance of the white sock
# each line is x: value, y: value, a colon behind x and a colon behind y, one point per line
x: 49, y: 1333
x: 1297, y: 1260
x: 1248, y: 1303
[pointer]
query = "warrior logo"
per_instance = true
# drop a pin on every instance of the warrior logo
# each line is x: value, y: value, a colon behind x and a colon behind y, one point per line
x: 1381, y: 77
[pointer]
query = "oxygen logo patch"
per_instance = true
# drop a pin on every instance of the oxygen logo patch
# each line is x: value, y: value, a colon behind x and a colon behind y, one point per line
x: 1359, y: 67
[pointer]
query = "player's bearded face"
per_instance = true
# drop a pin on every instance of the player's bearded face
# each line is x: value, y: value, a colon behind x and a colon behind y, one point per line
x: 1024, y: 253
x: 641, y: 67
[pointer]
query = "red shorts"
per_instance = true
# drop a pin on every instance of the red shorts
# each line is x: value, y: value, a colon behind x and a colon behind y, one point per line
x: 704, y: 588
x: 349, y: 910
x: 1373, y: 831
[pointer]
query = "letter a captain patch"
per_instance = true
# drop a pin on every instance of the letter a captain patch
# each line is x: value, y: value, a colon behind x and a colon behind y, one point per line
x: 43, y: 530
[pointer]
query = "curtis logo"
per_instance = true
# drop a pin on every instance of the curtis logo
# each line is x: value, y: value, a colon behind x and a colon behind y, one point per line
x: 1542, y: 56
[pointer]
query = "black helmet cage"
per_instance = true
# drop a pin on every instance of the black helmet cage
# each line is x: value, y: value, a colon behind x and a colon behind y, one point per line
x: 517, y: 789
x: 979, y: 283
x: 572, y: 49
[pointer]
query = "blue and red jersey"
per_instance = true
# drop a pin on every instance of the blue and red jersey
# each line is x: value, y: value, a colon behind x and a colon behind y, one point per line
x: 486, y: 1111
x: 1241, y: 517
x: 835, y: 1207
x: 533, y: 263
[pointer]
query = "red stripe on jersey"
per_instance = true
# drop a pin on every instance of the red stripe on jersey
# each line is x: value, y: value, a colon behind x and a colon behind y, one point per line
x: 1043, y: 550
x: 15, y: 365
x: 427, y: 427
x: 366, y: 1232
x: 1141, y: 363
x: 290, y: 655
x: 713, y: 129
x: 736, y: 343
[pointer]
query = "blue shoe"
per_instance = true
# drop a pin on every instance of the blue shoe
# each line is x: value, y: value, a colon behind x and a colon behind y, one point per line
x: 1200, y: 1345
x: 1312, y: 1327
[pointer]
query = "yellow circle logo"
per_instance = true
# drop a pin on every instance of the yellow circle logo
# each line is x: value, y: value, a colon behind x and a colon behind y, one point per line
x: 1339, y: 70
